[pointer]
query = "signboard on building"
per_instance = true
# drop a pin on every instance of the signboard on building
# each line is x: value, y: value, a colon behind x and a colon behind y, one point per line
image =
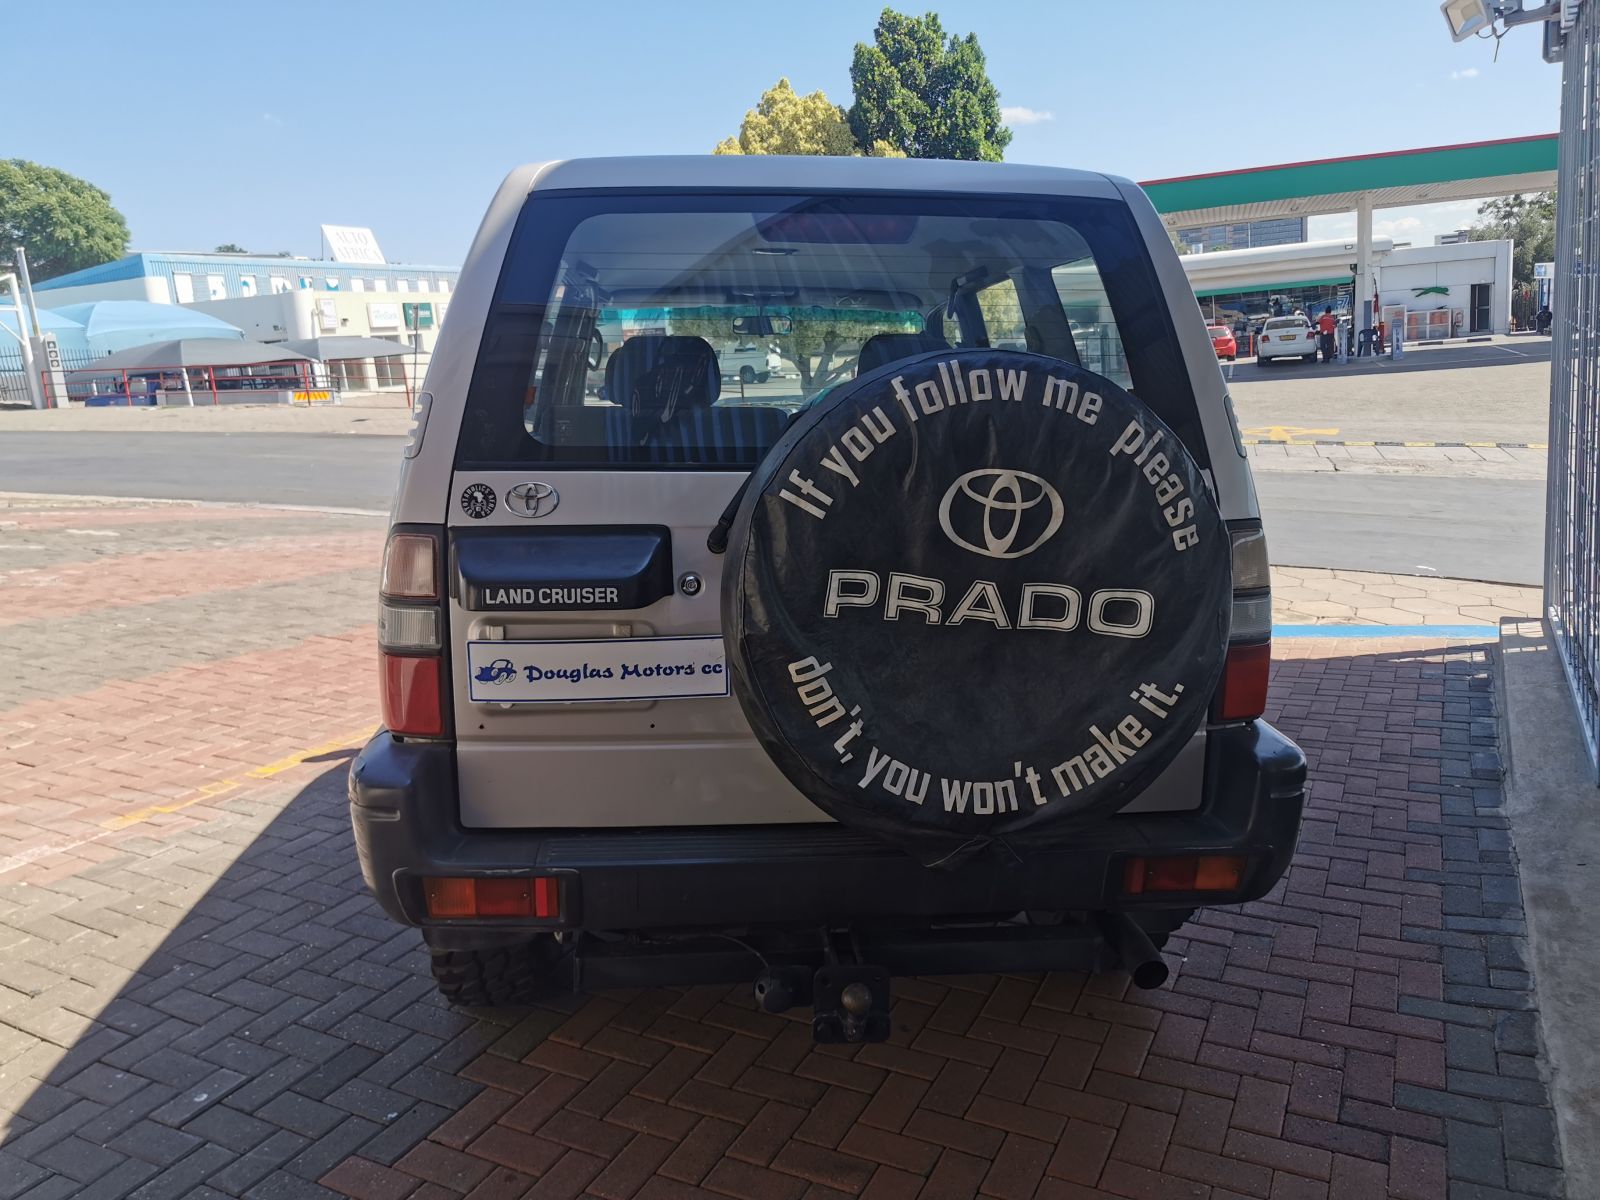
x: 383, y: 315
x: 418, y: 316
x: 352, y: 244
x: 327, y: 316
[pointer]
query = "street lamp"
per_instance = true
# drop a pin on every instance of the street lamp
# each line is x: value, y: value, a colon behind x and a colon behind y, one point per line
x: 1472, y: 18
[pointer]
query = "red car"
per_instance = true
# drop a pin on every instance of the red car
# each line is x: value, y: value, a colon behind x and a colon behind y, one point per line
x: 1223, y: 342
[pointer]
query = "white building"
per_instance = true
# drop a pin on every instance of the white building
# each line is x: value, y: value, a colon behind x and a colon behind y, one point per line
x: 1437, y: 291
x: 273, y: 299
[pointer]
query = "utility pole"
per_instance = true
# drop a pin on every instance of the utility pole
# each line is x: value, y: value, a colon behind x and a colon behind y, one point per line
x: 27, y: 291
x: 30, y: 377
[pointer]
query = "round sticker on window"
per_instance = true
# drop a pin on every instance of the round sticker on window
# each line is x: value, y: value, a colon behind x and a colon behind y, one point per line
x: 478, y: 501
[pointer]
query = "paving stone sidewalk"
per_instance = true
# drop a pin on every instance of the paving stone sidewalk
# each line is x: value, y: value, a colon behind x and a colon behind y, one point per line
x: 204, y: 1002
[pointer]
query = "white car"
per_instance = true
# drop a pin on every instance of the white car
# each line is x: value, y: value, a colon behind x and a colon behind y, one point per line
x: 751, y: 364
x: 1287, y: 337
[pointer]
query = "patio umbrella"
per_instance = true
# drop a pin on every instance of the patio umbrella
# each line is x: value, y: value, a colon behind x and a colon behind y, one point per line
x: 197, y: 352
x: 114, y: 325
x: 334, y: 349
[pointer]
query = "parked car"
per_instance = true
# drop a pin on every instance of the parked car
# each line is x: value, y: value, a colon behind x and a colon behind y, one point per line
x: 968, y: 674
x: 1286, y: 337
x: 1223, y: 342
x: 749, y: 364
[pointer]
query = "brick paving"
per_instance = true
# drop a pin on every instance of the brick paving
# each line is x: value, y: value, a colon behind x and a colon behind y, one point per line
x: 204, y: 1002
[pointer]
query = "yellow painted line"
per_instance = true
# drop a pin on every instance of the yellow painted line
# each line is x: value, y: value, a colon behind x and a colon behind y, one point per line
x: 1279, y: 433
x: 1419, y: 445
x: 1538, y: 446
x: 1360, y: 443
x: 219, y: 787
x: 1483, y: 445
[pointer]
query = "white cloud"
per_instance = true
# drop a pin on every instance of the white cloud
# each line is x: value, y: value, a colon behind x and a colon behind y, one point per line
x: 1397, y: 226
x: 271, y: 120
x: 1416, y: 224
x: 1018, y: 115
x: 1469, y: 73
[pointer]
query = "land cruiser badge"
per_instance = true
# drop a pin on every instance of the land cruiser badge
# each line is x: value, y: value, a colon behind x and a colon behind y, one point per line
x: 478, y: 501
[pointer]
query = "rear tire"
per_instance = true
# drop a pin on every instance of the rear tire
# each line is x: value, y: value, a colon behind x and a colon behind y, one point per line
x: 1310, y: 358
x: 502, y: 976
x: 747, y: 374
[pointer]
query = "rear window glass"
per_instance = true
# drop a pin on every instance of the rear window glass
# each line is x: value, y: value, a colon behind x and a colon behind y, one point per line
x: 1286, y: 323
x: 687, y: 330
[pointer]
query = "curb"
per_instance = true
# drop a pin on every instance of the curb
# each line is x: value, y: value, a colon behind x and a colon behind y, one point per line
x: 1483, y: 632
x: 1398, y: 445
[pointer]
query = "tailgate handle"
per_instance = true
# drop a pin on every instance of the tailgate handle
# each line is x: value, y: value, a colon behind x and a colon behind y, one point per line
x: 577, y: 568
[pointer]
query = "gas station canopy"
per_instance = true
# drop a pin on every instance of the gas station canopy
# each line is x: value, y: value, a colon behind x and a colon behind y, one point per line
x: 1471, y: 171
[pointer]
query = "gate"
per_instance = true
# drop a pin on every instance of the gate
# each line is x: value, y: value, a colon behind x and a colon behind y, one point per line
x: 1572, y: 506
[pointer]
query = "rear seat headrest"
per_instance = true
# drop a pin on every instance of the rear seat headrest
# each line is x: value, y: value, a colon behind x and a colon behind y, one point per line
x: 883, y: 348
x: 655, y: 377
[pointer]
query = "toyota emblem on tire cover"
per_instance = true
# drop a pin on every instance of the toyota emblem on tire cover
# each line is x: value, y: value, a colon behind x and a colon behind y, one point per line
x: 1010, y: 494
x: 974, y: 595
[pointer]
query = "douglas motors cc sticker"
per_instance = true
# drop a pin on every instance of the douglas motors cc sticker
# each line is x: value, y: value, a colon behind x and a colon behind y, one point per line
x: 477, y: 501
x: 973, y: 595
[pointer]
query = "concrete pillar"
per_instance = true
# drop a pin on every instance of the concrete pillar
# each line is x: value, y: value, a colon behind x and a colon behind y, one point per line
x: 1361, y: 303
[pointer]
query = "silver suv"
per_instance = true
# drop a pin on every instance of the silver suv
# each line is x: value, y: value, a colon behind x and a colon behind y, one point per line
x: 946, y: 652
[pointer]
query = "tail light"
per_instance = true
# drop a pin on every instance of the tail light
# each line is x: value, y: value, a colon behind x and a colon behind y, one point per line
x: 539, y: 896
x: 411, y: 635
x: 1183, y: 873
x: 1243, y: 693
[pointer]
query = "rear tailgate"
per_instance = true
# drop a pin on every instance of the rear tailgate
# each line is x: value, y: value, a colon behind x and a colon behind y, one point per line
x: 559, y: 742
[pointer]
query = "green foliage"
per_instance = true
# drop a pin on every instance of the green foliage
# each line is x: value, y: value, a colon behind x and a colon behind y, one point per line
x: 785, y: 122
x: 230, y: 248
x: 63, y: 222
x: 925, y: 94
x: 1530, y: 223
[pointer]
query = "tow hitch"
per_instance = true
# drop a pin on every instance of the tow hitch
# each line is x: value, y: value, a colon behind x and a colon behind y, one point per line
x: 849, y: 1003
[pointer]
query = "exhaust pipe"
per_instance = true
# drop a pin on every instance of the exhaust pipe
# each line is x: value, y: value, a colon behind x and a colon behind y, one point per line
x: 1133, y: 948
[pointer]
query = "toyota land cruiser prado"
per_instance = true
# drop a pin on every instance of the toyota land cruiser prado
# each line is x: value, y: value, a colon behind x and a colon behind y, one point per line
x: 947, y: 653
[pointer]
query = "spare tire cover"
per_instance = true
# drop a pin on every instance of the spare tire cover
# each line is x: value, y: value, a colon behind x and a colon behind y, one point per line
x: 976, y: 594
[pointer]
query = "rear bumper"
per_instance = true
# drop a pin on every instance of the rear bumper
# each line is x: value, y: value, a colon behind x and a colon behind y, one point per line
x: 404, y: 808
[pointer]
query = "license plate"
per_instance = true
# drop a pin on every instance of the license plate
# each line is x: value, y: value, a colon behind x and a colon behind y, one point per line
x: 615, y: 669
x: 1288, y: 337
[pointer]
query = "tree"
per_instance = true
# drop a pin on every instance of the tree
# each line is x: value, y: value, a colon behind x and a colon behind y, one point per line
x: 1530, y: 223
x: 63, y: 222
x: 785, y: 122
x: 925, y: 94
x: 230, y: 248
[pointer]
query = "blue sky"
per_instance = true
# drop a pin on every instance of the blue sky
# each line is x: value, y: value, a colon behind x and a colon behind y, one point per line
x: 214, y: 122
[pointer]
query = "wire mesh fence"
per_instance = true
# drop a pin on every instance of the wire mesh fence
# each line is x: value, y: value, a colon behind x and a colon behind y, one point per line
x: 1572, y: 507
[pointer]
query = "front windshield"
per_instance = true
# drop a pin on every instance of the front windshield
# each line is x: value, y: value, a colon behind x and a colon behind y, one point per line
x: 688, y: 330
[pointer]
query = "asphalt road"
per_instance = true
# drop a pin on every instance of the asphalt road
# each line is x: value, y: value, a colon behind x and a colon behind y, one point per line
x: 1459, y: 528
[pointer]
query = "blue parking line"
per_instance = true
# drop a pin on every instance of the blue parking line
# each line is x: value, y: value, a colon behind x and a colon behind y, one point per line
x: 1487, y: 632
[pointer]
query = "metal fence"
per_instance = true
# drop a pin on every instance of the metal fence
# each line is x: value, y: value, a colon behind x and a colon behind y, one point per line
x: 13, y: 381
x: 1572, y: 507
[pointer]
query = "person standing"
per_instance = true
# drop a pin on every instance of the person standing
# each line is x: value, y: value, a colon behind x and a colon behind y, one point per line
x: 1327, y: 326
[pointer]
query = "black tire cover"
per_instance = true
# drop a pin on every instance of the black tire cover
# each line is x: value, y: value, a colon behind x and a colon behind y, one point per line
x: 976, y: 595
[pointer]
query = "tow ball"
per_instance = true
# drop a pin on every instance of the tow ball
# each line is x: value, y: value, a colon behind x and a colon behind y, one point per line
x: 850, y: 1004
